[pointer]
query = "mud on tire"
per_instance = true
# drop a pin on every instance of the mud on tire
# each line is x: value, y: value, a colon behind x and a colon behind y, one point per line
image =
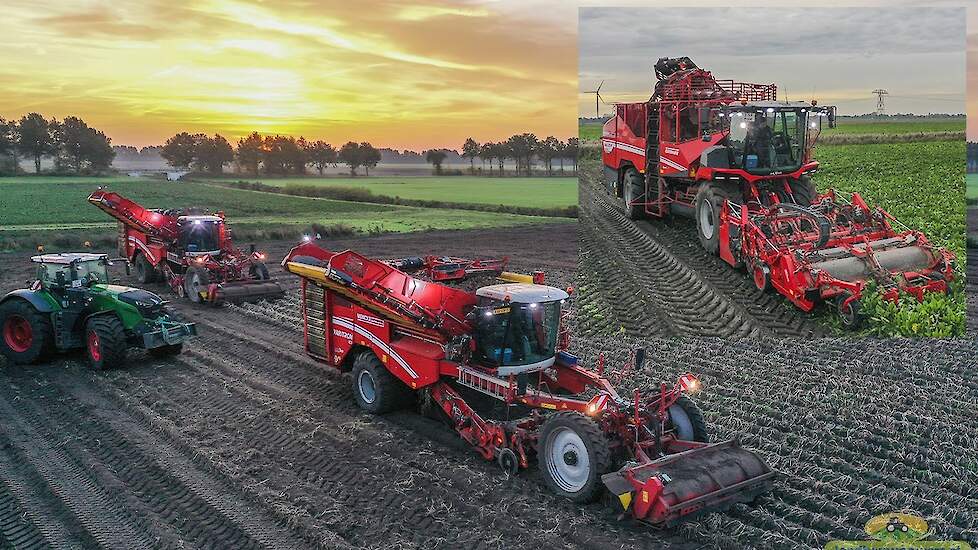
x: 375, y: 389
x: 573, y: 454
x: 26, y: 335
x: 105, y: 342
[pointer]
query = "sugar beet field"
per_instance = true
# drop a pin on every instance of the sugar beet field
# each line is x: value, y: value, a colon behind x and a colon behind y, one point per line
x: 244, y: 442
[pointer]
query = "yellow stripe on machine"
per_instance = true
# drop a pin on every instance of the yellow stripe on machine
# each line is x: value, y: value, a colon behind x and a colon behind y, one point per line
x: 511, y: 277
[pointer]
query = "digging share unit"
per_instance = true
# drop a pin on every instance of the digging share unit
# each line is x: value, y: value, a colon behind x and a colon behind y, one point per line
x: 193, y: 253
x: 406, y: 339
x: 739, y: 162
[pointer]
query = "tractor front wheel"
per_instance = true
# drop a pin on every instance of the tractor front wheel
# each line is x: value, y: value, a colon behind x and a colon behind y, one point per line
x: 105, y: 340
x: 26, y: 335
x: 687, y: 421
x: 633, y: 189
x: 195, y: 281
x: 375, y: 389
x: 145, y: 272
x: 573, y: 455
x: 709, y: 202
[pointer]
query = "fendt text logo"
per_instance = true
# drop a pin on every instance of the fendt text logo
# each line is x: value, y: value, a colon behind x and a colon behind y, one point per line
x: 896, y: 531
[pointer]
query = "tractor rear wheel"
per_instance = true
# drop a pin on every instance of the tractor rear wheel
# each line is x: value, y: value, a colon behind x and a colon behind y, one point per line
x: 167, y: 351
x: 687, y: 421
x: 709, y: 202
x: 145, y: 272
x: 195, y: 281
x: 26, y: 335
x: 375, y: 389
x: 633, y: 189
x: 573, y: 454
x: 105, y: 340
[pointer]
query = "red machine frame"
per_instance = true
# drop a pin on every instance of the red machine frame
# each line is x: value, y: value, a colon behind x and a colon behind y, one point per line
x: 420, y: 331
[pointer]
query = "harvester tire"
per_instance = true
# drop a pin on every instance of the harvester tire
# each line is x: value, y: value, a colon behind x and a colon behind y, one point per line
x: 105, y: 342
x: 26, y: 334
x: 145, y: 272
x: 709, y: 201
x: 167, y: 351
x: 849, y: 314
x: 375, y: 389
x: 803, y: 190
x: 194, y: 281
x: 687, y: 420
x: 259, y: 272
x: 573, y: 454
x: 633, y: 188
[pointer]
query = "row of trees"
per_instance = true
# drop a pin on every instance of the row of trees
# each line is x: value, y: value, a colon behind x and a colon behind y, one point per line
x: 522, y: 148
x: 282, y: 155
x: 75, y: 146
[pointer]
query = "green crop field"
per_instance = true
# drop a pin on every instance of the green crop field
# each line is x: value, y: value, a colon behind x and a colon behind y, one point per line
x: 922, y: 184
x: 896, y: 126
x: 589, y: 132
x: 972, y: 188
x: 524, y: 192
x: 46, y: 204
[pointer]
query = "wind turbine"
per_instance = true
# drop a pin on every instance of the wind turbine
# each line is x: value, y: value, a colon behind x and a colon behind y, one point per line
x: 597, y: 98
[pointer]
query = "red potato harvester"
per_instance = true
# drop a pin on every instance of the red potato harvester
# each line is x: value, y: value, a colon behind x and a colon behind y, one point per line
x: 191, y: 252
x: 405, y: 339
x: 740, y: 163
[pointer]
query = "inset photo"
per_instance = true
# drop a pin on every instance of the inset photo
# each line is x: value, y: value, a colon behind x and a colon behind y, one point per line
x: 785, y: 172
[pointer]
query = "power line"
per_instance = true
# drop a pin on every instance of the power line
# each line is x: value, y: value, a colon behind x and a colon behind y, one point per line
x: 880, y: 100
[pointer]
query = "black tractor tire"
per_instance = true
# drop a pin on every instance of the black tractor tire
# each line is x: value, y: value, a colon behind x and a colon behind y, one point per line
x: 706, y: 214
x: 803, y: 191
x: 167, y: 351
x: 26, y: 334
x: 375, y: 389
x: 850, y: 315
x: 687, y: 420
x: 633, y: 188
x: 195, y: 280
x: 575, y: 434
x: 259, y: 272
x: 145, y: 272
x: 105, y: 342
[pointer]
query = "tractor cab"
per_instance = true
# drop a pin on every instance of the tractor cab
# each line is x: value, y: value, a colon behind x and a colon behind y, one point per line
x: 770, y: 137
x: 200, y: 234
x: 517, y: 326
x: 71, y: 270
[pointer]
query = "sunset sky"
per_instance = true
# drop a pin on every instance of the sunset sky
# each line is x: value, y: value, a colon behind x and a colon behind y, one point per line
x: 398, y: 74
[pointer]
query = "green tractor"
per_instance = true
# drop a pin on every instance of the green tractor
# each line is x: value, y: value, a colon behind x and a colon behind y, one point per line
x: 72, y: 305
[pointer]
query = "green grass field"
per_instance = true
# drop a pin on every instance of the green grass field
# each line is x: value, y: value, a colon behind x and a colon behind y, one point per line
x: 972, y: 187
x: 526, y: 192
x: 589, y: 132
x: 50, y: 204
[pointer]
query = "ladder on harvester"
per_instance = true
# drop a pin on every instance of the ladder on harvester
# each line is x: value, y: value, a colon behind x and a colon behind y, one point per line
x: 482, y: 382
x: 652, y: 163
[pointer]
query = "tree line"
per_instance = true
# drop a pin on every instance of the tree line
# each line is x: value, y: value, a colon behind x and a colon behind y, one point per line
x: 287, y: 155
x: 75, y: 146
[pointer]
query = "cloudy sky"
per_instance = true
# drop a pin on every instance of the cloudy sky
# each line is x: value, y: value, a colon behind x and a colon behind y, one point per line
x: 395, y: 72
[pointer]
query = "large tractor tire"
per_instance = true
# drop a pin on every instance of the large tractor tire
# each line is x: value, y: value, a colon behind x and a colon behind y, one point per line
x: 195, y: 281
x: 145, y: 272
x: 709, y: 201
x: 803, y: 191
x: 633, y: 188
x: 26, y: 335
x: 573, y: 454
x: 687, y: 421
x: 105, y: 342
x: 375, y: 389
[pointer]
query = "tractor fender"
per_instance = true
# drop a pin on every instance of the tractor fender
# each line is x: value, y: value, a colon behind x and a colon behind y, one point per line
x: 35, y: 298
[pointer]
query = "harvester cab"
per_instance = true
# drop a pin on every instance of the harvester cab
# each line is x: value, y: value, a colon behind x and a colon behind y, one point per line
x: 200, y: 234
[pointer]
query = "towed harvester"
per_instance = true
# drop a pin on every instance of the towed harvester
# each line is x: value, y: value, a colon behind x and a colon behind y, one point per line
x: 191, y: 252
x: 503, y: 346
x: 740, y: 163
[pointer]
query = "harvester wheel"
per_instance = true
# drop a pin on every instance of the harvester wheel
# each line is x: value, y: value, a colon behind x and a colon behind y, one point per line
x: 167, y: 351
x: 195, y: 281
x: 145, y: 272
x: 687, y: 420
x: 709, y: 201
x: 803, y: 190
x: 849, y: 313
x: 26, y: 335
x: 259, y: 272
x: 573, y: 455
x: 633, y: 188
x: 375, y: 389
x: 762, y: 275
x: 105, y: 342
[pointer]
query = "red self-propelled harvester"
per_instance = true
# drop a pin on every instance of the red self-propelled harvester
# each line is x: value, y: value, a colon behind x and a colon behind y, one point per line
x: 191, y: 252
x: 739, y: 162
x: 407, y: 340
